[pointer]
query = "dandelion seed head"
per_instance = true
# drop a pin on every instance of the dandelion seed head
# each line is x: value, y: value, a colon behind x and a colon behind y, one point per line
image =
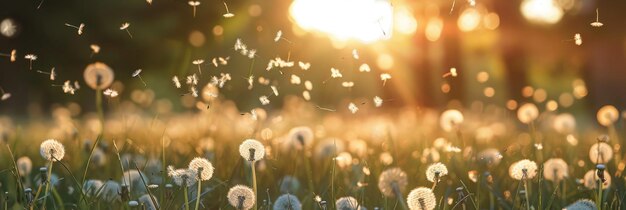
x: 582, y: 204
x: 555, y: 169
x: 135, y: 180
x: 390, y: 179
x: 8, y: 28
x: 93, y: 187
x: 607, y: 115
x: 133, y: 203
x: 287, y: 202
x: 241, y: 197
x: 527, y: 113
x: 600, y: 153
x: 564, y: 123
x: 207, y: 168
x: 98, y: 76
x: 523, y: 169
x: 590, y: 180
x: 110, y: 191
x: 24, y: 166
x: 182, y: 177
x: 421, y: 198
x: 435, y: 171
x: 346, y: 203
x: 279, y: 34
x: 300, y: 137
x: 252, y: 150
x: 52, y: 150
x: 450, y: 120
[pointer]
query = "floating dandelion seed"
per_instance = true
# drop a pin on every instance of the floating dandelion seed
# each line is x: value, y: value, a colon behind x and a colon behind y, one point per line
x: 137, y: 73
x: 353, y: 108
x: 392, y: 182
x: 5, y: 95
x: 125, y: 28
x: 304, y: 66
x: 597, y: 23
x: 347, y: 84
x: 111, y: 93
x: 577, y: 39
x: 274, y: 90
x: 52, y: 150
x: 308, y: 85
x: 384, y: 77
x: 198, y: 63
x: 30, y: 58
x: 452, y: 73
x: 176, y: 82
x: 421, y: 198
x: 194, y: 4
x: 295, y: 79
x: 355, y: 54
x: 12, y: 56
x: 472, y: 2
x: 278, y: 36
x: 251, y: 150
x: 194, y: 91
x: 378, y: 102
x: 52, y: 73
x: 523, y: 169
x: 335, y: 73
x: 241, y: 197
x: 228, y: 14
x: 250, y: 80
x: 68, y: 88
x: 98, y: 75
x: 264, y: 100
x: 95, y: 49
x: 365, y: 68
x: 278, y: 62
x: 79, y: 28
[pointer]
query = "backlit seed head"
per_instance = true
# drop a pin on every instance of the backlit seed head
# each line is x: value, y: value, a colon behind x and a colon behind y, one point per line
x: 583, y: 204
x: 523, y: 169
x: 527, y: 113
x: 555, y: 169
x: 300, y: 137
x: 287, y: 202
x: 435, y: 171
x: 52, y: 150
x: 207, y: 168
x: 346, y: 203
x: 252, y: 150
x: 390, y: 179
x: 24, y: 166
x: 600, y: 153
x: 607, y: 115
x: 241, y: 197
x: 450, y: 120
x: 98, y: 76
x: 421, y: 198
x: 590, y: 180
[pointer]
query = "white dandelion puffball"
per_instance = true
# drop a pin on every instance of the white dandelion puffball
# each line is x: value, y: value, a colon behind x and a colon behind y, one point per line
x: 93, y: 187
x: 421, y: 198
x: 600, y: 153
x: 207, y: 168
x: 564, y: 123
x: 287, y: 202
x: 607, y: 115
x: 109, y: 192
x: 98, y: 76
x: 241, y: 197
x: 24, y: 166
x: 523, y: 167
x: 555, y: 169
x: 590, y: 180
x: 582, y: 204
x: 450, y: 120
x: 346, y: 203
x: 436, y: 171
x: 252, y: 150
x: 301, y: 136
x: 527, y: 113
x: 52, y: 150
x: 390, y: 179
x: 183, y: 176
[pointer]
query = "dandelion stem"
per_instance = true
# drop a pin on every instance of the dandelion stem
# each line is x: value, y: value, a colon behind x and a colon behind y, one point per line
x: 198, y: 193
x: 254, y: 183
x: 398, y: 194
x: 101, y: 117
x: 599, y: 198
x: 47, y: 184
x: 186, y: 197
x: 526, y: 193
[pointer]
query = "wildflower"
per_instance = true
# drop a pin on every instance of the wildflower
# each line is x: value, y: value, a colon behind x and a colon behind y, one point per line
x: 227, y: 14
x: 421, y: 198
x: 607, y: 115
x: 24, y: 166
x: 555, y: 169
x: 287, y: 202
x: 52, y: 150
x: 346, y: 203
x: 392, y: 182
x: 527, y: 113
x: 436, y: 171
x: 149, y: 202
x: 582, y: 204
x: 597, y: 23
x: 450, y: 120
x: 241, y: 197
x: 182, y: 177
x: 125, y: 28
x: 523, y: 169
x: 590, y: 180
x: 251, y: 150
x: 203, y: 167
x: 98, y: 75
x: 600, y: 153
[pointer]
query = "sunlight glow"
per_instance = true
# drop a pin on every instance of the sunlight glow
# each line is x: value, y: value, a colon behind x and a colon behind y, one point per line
x: 363, y: 20
x: 541, y: 11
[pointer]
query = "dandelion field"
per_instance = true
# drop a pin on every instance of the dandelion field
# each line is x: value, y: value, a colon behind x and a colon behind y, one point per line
x: 270, y: 105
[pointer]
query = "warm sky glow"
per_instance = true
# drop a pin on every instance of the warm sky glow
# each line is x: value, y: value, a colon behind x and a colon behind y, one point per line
x: 541, y: 11
x: 363, y: 20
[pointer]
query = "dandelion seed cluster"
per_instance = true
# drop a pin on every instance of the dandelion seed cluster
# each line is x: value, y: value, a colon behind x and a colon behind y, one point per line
x: 347, y: 203
x: 207, y: 168
x: 287, y: 202
x: 252, y: 150
x: 435, y: 171
x: 523, y: 169
x: 390, y: 179
x: 421, y: 198
x: 52, y: 150
x: 241, y: 197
